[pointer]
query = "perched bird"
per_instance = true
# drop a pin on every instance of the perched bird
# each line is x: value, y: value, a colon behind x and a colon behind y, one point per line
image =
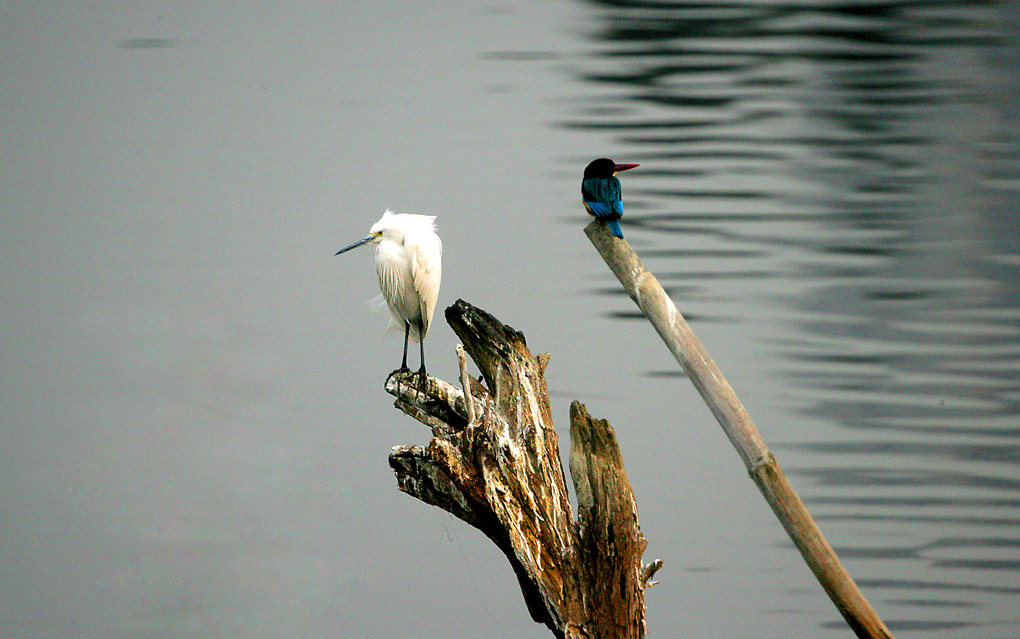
x: 601, y: 192
x: 408, y: 256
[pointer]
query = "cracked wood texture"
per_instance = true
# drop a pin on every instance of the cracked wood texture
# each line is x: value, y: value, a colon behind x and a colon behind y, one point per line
x: 502, y: 474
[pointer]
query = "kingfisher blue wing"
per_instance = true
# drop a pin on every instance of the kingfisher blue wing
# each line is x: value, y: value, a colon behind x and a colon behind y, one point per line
x: 602, y: 210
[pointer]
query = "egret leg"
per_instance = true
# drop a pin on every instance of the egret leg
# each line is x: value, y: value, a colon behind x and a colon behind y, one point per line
x: 421, y: 347
x: 407, y: 332
x: 421, y: 351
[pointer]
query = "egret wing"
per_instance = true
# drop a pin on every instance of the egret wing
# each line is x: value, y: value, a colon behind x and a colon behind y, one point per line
x: 426, y: 270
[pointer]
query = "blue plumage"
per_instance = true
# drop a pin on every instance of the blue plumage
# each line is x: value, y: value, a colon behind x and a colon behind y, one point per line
x: 602, y: 194
x: 614, y: 227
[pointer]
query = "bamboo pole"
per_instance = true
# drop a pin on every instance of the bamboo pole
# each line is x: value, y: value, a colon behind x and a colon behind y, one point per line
x: 688, y: 350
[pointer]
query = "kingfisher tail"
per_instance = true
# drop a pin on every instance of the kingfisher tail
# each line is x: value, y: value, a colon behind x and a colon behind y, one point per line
x: 614, y: 227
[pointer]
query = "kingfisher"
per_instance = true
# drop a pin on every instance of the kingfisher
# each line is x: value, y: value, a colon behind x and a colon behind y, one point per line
x: 601, y: 192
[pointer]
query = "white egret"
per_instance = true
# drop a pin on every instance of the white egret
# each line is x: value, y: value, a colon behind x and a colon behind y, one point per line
x: 408, y: 261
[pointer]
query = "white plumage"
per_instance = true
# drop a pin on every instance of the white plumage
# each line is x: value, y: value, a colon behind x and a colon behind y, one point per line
x: 408, y: 261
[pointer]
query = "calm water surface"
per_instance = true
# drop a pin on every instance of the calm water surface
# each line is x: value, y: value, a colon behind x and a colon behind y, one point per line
x: 847, y: 174
x: 194, y: 429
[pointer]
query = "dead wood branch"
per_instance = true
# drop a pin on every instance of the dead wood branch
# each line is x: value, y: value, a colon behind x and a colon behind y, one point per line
x: 500, y: 471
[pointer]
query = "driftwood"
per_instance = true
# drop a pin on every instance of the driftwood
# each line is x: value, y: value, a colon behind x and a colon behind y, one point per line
x: 494, y: 462
x: 706, y: 376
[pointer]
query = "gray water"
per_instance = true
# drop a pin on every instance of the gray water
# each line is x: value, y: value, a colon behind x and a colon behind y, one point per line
x: 194, y: 431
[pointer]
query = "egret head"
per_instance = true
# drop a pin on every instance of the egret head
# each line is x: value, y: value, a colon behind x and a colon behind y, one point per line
x: 402, y: 227
x: 391, y: 226
x: 381, y: 229
x: 605, y: 168
x: 396, y: 227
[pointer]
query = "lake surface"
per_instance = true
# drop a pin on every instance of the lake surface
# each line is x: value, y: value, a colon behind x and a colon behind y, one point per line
x: 195, y: 433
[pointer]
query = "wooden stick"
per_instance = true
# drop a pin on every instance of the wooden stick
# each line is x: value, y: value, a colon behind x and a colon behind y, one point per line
x: 465, y: 384
x: 688, y: 350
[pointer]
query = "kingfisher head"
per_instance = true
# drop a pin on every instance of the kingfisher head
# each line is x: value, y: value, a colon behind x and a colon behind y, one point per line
x: 605, y: 168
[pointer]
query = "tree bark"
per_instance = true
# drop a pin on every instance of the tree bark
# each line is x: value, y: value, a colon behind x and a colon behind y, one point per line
x: 501, y: 473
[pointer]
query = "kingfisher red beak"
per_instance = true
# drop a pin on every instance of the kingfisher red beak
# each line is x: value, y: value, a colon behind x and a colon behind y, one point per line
x: 623, y: 167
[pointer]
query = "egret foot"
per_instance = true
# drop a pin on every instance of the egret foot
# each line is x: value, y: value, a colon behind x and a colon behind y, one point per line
x: 422, y: 376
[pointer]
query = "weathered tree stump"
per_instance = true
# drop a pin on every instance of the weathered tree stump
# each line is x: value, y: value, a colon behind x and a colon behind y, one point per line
x: 500, y: 471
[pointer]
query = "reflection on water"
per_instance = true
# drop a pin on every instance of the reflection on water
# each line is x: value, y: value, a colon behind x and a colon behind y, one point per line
x: 854, y: 166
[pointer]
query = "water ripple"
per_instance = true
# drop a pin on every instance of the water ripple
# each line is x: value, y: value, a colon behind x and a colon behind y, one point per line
x: 852, y: 167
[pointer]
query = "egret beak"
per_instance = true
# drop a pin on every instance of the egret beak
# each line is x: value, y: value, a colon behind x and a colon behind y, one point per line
x: 370, y: 238
x: 623, y: 167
